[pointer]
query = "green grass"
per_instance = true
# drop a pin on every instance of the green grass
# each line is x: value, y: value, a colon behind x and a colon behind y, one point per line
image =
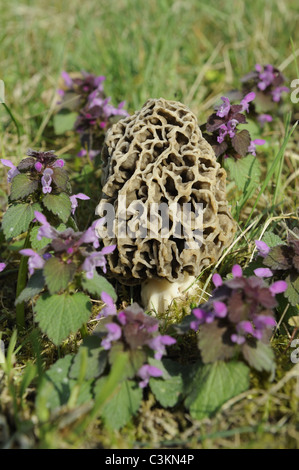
x: 192, y: 51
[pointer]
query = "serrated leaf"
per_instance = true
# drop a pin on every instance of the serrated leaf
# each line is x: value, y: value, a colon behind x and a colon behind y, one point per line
x: 64, y: 121
x: 135, y: 359
x: 241, y: 142
x: 38, y: 245
x: 169, y: 388
x: 60, y: 315
x: 292, y: 292
x: 277, y: 258
x: 96, y: 358
x: 271, y: 239
x: 58, y: 274
x: 214, y: 384
x: 97, y: 285
x: 59, y: 204
x: 34, y: 286
x: 245, y: 172
x: 26, y: 163
x: 17, y: 218
x: 214, y: 342
x: 58, y: 376
x: 60, y: 178
x: 21, y: 186
x: 124, y: 403
x: 260, y: 356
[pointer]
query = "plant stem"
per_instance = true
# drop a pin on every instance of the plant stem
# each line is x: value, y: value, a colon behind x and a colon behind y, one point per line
x: 21, y: 283
x: 84, y: 330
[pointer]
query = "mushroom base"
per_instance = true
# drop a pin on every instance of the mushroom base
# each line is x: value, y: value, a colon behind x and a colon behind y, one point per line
x: 157, y: 294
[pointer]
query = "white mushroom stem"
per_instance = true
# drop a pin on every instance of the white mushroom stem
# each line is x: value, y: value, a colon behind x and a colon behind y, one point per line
x: 157, y: 294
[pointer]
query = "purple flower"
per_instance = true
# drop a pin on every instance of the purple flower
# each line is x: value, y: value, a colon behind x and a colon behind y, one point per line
x: 67, y: 79
x: 238, y: 339
x: 45, y: 230
x: 74, y: 202
x: 35, y: 261
x: 90, y: 235
x: 231, y: 126
x: 13, y: 169
x: 114, y: 333
x: 263, y: 272
x: 58, y: 163
x: 237, y: 271
x: 224, y: 108
x: 110, y: 308
x: 96, y: 259
x: 278, y: 287
x: 247, y: 99
x: 217, y: 280
x: 38, y: 166
x: 262, y: 247
x: 263, y: 118
x: 220, y: 309
x: 276, y: 93
x: 47, y: 180
x: 2, y: 267
x: 266, y: 76
x: 223, y: 130
x: 146, y: 372
x: 253, y: 144
x: 263, y: 321
x: 158, y: 344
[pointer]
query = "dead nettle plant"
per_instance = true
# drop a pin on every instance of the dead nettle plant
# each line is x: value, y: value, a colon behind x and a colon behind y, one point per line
x: 84, y: 107
x: 59, y: 259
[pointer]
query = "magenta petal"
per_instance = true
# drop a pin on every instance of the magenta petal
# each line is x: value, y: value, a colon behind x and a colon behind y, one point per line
x: 237, y: 271
x: 7, y: 163
x: 278, y: 287
x: 108, y: 249
x: 263, y: 272
x: 220, y: 309
x: 81, y: 196
x: 40, y: 217
x: 27, y: 252
x: 2, y: 266
x: 107, y: 299
x: 217, y: 280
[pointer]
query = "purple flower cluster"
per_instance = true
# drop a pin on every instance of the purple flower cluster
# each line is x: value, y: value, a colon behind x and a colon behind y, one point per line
x: 136, y: 331
x: 283, y: 261
x: 268, y: 84
x: 68, y: 246
x: 94, y: 107
x: 222, y: 127
x: 240, y: 310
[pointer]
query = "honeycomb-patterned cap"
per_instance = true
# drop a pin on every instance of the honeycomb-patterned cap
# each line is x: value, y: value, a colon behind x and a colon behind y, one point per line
x: 157, y: 158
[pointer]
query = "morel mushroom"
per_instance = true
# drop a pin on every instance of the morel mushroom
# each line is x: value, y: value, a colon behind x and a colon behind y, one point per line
x: 156, y: 168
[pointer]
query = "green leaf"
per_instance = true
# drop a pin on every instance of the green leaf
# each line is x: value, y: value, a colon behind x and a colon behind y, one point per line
x: 241, y: 142
x: 59, y: 204
x: 35, y: 285
x: 60, y: 178
x: 124, y: 403
x: 17, y: 218
x: 214, y: 384
x: 272, y: 240
x: 64, y: 121
x: 58, y: 274
x: 135, y: 359
x: 58, y: 376
x: 292, y: 292
x: 214, y: 342
x: 38, y: 245
x: 169, y: 388
x: 260, y: 356
x: 277, y: 258
x: 21, y: 186
x: 245, y: 172
x: 60, y: 315
x: 96, y: 358
x: 97, y: 285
